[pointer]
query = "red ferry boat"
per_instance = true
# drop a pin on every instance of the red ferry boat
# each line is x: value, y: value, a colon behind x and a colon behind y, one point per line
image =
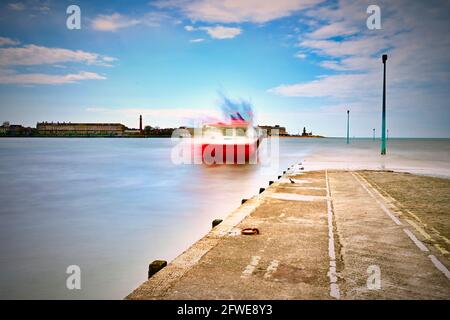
x: 236, y: 142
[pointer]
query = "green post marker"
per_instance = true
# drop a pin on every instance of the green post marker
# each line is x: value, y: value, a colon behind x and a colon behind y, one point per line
x: 383, y: 118
x: 348, y: 126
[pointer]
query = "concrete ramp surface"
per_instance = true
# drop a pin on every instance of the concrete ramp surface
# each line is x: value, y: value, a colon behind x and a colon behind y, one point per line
x: 328, y: 235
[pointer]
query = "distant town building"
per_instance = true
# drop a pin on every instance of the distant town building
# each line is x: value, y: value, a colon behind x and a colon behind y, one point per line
x: 131, y: 132
x: 80, y: 129
x: 7, y: 129
x: 134, y: 132
x: 268, y: 129
x: 4, y: 127
x: 306, y: 134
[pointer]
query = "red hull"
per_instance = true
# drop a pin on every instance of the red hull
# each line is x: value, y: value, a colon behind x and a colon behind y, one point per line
x: 229, y: 153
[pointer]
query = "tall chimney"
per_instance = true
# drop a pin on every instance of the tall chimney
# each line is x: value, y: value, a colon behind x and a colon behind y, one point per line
x: 140, y: 122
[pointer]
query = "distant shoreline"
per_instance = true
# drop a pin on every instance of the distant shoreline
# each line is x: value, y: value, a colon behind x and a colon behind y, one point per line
x: 291, y: 137
x: 136, y: 136
x: 303, y: 137
x: 87, y: 137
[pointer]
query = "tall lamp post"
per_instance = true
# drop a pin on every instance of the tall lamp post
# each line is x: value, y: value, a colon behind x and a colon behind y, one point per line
x: 348, y: 126
x: 383, y: 117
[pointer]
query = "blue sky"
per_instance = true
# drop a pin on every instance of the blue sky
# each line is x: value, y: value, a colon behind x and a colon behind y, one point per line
x: 300, y: 63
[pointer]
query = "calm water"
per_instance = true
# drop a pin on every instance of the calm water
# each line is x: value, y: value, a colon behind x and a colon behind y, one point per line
x: 113, y: 205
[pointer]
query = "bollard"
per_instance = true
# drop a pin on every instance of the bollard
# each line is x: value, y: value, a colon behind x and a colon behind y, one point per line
x: 261, y: 190
x: 270, y: 182
x: 243, y: 201
x: 216, y: 222
x: 155, y: 266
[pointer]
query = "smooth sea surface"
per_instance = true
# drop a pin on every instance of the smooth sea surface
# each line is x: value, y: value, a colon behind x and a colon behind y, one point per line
x: 111, y: 206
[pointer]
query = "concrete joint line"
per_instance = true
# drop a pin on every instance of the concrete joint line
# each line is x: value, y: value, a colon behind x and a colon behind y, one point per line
x: 332, y: 274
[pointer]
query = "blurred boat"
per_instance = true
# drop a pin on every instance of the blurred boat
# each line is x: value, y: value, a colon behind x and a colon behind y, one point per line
x: 236, y: 142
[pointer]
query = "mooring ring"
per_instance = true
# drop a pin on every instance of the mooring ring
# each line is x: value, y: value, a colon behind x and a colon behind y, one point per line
x: 249, y: 231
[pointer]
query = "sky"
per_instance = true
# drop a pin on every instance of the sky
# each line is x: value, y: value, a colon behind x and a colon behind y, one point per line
x: 298, y: 62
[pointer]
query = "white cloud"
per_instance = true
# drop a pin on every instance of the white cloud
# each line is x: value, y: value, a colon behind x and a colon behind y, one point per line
x: 217, y: 32
x: 354, y: 47
x: 37, y: 6
x: 300, y: 55
x: 339, y: 86
x: 118, y: 21
x: 9, y: 77
x: 113, y: 22
x: 197, y: 40
x: 37, y: 55
x: 8, y: 42
x: 108, y: 59
x: 333, y: 30
x: 31, y: 55
x: 234, y: 11
x: 221, y: 32
x: 160, y: 116
x: 160, y: 113
x: 17, y: 6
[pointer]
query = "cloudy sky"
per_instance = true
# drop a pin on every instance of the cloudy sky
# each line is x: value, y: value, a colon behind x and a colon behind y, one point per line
x: 299, y: 62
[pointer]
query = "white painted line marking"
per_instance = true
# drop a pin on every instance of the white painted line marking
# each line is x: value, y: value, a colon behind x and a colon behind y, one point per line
x: 296, y: 187
x: 301, y: 220
x: 296, y: 197
x: 327, y: 183
x: 416, y: 241
x: 297, y: 181
x: 331, y: 252
x: 334, y: 291
x: 334, y: 288
x: 382, y: 206
x: 273, y: 266
x: 311, y: 188
x: 251, y: 267
x: 440, y: 266
x: 332, y: 275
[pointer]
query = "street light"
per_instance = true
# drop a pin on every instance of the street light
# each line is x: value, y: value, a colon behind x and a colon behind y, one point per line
x: 383, y: 117
x: 348, y: 126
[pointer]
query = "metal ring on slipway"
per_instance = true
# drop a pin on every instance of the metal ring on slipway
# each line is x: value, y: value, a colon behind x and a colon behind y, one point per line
x: 249, y: 231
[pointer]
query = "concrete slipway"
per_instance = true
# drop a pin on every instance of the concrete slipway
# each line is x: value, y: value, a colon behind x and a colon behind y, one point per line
x: 328, y: 235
